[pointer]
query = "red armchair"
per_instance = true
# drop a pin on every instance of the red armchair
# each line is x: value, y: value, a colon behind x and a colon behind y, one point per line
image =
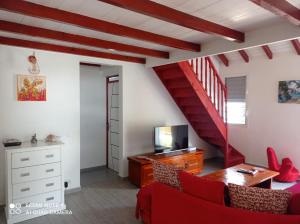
x: 288, y: 173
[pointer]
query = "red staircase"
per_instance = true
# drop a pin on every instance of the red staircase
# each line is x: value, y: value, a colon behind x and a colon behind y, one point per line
x: 201, y: 95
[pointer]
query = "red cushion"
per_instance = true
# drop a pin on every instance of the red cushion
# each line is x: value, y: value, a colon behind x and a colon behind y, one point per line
x: 208, y: 190
x: 294, y: 205
x: 272, y: 159
x: 287, y: 171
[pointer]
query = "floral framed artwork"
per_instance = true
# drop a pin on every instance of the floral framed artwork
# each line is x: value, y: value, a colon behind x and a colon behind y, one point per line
x: 289, y: 91
x: 31, y: 88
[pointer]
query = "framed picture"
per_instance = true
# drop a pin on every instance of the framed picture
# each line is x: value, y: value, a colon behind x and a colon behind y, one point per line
x: 289, y: 91
x: 31, y: 88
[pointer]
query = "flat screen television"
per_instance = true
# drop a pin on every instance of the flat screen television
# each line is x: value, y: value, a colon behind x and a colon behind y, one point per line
x: 170, y: 138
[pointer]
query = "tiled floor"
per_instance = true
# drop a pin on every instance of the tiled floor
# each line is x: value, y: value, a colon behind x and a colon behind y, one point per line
x: 106, y: 198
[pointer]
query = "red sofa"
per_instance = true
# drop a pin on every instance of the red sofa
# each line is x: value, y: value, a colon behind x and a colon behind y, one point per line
x: 169, y: 205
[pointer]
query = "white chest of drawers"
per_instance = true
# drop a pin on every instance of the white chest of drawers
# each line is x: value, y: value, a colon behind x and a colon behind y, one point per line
x: 34, y: 181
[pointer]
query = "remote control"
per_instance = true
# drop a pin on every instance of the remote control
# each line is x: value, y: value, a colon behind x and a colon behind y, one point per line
x: 244, y: 171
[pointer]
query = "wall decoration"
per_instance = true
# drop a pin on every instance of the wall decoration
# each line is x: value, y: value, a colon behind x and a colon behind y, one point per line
x: 31, y: 88
x: 34, y: 66
x: 289, y: 91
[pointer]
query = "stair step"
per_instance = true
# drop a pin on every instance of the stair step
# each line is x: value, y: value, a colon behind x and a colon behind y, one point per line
x: 171, y: 75
x: 234, y: 152
x: 177, y: 84
x: 234, y: 157
x: 209, y: 133
x: 183, y: 93
x: 191, y: 101
x: 165, y: 67
x: 215, y: 141
x: 204, y: 127
x: 197, y: 118
x: 234, y: 161
x: 194, y: 110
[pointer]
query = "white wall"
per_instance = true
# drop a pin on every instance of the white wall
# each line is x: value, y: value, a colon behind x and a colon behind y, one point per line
x: 58, y: 115
x: 269, y: 122
x: 145, y: 103
x: 92, y: 117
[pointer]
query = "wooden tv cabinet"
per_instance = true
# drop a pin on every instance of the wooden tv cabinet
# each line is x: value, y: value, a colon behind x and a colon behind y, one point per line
x: 141, y: 172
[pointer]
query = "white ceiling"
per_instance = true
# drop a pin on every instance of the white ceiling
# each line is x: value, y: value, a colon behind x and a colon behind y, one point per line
x: 242, y: 15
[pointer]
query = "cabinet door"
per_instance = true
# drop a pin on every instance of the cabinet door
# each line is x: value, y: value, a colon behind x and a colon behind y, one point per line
x: 194, y: 163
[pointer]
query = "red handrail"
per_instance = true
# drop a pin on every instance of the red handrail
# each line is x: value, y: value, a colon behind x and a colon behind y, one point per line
x: 212, y: 83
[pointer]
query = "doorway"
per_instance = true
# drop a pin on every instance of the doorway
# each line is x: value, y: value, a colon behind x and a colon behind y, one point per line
x: 100, y: 118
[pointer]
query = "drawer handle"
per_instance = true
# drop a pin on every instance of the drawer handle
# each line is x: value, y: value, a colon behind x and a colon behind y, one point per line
x: 50, y: 199
x: 50, y: 156
x: 25, y: 174
x: 24, y: 159
x: 49, y: 170
x: 186, y: 165
x: 24, y: 205
x: 25, y: 189
x: 50, y: 184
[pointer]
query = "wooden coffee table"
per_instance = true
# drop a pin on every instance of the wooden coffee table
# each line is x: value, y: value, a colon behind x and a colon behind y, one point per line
x: 230, y: 175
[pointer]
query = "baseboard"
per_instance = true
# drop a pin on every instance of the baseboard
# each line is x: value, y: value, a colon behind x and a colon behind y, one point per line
x: 85, y: 170
x: 73, y: 190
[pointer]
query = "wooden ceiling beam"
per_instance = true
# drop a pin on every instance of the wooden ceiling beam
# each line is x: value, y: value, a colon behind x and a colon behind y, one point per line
x: 282, y: 8
x: 224, y: 59
x: 53, y: 14
x: 69, y: 50
x: 162, y: 12
x: 296, y: 45
x: 268, y: 51
x: 61, y: 36
x: 244, y: 55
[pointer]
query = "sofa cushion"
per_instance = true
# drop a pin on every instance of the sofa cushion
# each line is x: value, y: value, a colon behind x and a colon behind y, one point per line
x: 259, y: 199
x: 166, y: 174
x: 172, y: 206
x: 208, y: 190
x: 143, y: 204
x: 295, y: 189
x: 294, y: 205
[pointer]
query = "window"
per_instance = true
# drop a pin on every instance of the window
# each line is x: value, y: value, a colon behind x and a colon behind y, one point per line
x: 236, y: 101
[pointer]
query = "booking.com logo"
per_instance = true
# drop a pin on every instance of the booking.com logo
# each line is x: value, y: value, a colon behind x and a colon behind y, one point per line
x: 15, y: 209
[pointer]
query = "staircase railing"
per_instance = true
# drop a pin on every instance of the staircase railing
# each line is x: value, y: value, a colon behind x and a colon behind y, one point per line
x: 212, y: 83
x: 215, y: 88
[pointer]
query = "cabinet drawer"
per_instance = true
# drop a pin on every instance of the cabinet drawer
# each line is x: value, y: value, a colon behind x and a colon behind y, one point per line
x: 35, y: 172
x: 33, y: 158
x: 36, y: 187
x: 39, y: 201
x: 175, y: 161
